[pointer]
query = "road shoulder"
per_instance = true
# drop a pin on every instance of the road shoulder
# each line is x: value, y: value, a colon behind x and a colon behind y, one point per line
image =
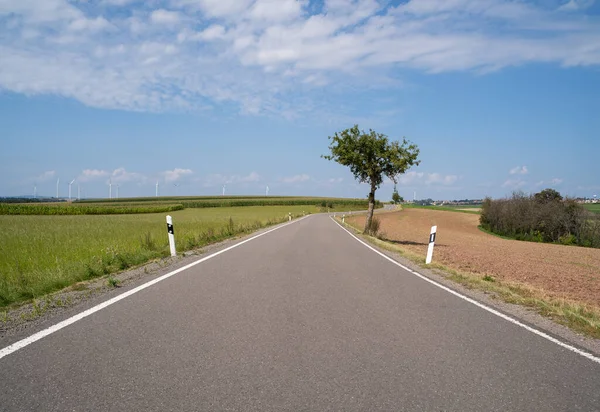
x: 523, y: 314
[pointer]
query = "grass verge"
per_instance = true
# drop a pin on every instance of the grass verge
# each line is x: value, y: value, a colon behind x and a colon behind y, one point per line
x: 581, y: 318
x: 44, y: 254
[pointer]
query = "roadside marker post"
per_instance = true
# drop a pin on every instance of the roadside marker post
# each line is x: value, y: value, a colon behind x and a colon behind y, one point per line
x: 171, y: 233
x: 431, y: 244
x: 343, y: 218
x: 290, y: 216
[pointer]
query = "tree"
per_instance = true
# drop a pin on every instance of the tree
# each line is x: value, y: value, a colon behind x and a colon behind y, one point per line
x: 547, y: 196
x: 396, y: 198
x: 370, y: 157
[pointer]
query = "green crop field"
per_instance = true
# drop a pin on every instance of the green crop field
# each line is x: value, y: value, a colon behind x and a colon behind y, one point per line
x: 41, y: 254
x: 169, y: 204
x: 594, y: 207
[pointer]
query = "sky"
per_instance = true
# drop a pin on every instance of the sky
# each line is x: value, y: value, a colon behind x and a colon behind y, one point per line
x: 199, y: 94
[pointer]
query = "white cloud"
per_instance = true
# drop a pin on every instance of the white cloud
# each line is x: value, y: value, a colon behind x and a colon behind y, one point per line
x: 514, y: 183
x: 413, y: 178
x: 554, y: 182
x: 121, y: 175
x: 166, y: 17
x: 335, y: 180
x: 438, y: 179
x: 219, y: 179
x: 272, y: 56
x: 574, y: 5
x: 252, y: 177
x: 176, y: 174
x: 295, y: 179
x: 215, y: 8
x: 45, y: 176
x: 118, y: 2
x: 519, y: 170
x: 82, y: 24
x: 410, y: 178
x: 213, y: 32
x: 276, y: 10
x: 91, y: 174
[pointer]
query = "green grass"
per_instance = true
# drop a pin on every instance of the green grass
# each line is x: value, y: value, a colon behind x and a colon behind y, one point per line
x: 42, y: 254
x: 593, y: 207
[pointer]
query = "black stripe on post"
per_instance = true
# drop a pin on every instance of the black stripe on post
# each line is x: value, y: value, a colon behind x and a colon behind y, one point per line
x: 432, y: 237
x: 170, y: 229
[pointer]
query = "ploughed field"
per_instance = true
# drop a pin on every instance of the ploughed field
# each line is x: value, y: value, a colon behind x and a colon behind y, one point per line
x: 561, y: 271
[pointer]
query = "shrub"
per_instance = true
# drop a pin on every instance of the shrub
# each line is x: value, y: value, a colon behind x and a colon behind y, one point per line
x: 374, y: 228
x: 543, y: 217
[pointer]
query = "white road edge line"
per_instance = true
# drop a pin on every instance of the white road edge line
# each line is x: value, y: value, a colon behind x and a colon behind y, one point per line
x: 479, y: 304
x: 55, y: 328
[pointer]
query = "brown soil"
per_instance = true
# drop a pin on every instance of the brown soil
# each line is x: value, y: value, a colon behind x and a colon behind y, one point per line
x: 562, y: 271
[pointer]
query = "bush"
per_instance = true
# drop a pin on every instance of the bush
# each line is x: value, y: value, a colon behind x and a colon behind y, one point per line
x: 374, y: 228
x: 543, y: 217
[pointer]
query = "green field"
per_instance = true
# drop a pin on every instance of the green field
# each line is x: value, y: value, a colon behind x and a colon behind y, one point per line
x: 593, y: 207
x: 41, y: 254
x: 169, y: 204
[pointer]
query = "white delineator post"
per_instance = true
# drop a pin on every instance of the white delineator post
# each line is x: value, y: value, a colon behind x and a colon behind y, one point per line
x: 431, y: 244
x: 290, y: 216
x: 171, y: 235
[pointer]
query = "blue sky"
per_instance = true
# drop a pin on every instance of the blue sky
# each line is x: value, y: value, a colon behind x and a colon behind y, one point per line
x: 196, y: 94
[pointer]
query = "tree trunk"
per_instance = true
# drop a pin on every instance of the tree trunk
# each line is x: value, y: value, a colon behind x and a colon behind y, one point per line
x: 370, y: 210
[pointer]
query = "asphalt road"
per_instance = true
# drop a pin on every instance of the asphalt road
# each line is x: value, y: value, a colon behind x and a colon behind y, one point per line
x: 304, y: 318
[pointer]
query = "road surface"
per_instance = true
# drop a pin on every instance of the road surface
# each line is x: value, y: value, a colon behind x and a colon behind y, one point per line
x: 304, y: 318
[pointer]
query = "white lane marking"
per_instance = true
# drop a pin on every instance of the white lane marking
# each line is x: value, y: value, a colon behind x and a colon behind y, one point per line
x: 54, y: 328
x: 479, y: 304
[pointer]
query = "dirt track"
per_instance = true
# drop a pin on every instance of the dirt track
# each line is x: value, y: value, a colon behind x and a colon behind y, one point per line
x: 562, y: 271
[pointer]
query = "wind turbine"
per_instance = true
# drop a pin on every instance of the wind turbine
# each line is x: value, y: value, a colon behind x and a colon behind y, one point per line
x: 110, y: 188
x: 57, y: 182
x: 117, y: 190
x: 35, y: 190
x: 157, y: 188
x: 70, y: 183
x: 223, y: 190
x: 78, y: 192
x: 267, y: 191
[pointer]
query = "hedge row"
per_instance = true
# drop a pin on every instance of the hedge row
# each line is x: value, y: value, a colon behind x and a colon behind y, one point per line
x: 543, y: 217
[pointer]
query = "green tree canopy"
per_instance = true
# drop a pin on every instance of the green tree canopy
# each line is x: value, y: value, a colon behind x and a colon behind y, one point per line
x: 547, y: 196
x: 371, y: 157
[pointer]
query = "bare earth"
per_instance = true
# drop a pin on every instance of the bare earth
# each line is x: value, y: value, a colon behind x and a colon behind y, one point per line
x: 562, y: 271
